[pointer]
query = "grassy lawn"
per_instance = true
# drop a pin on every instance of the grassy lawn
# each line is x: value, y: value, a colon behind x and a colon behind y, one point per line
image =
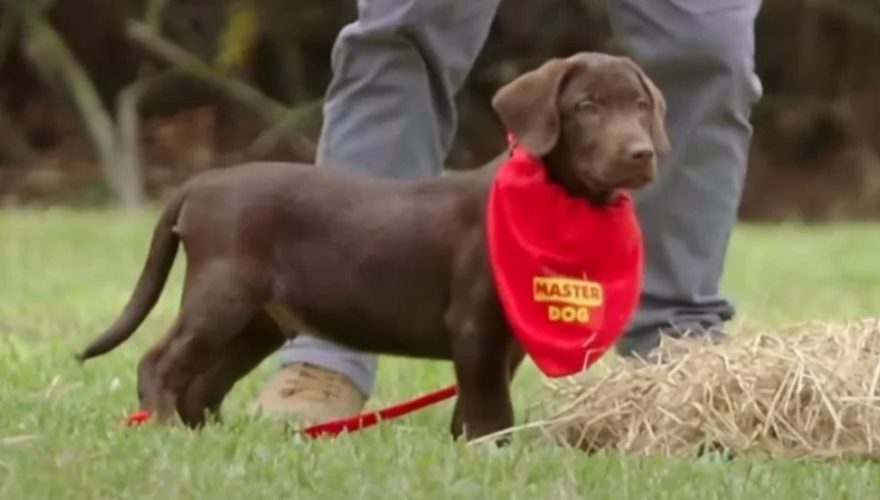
x: 65, y: 275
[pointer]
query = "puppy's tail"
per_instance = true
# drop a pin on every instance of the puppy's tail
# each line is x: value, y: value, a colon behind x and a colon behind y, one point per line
x: 163, y: 250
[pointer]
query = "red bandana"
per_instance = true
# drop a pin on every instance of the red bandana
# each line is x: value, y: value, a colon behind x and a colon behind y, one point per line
x: 568, y: 273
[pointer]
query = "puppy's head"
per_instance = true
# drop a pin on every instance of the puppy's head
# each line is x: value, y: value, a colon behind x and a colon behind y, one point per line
x: 596, y: 120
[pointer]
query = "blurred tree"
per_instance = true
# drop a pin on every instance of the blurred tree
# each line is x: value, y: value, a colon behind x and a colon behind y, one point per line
x: 117, y: 148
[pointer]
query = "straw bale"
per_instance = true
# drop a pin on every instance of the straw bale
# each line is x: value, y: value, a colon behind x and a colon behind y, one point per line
x: 811, y: 391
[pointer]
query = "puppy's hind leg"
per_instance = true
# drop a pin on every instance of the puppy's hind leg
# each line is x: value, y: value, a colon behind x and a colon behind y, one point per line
x: 218, y: 305
x: 235, y: 359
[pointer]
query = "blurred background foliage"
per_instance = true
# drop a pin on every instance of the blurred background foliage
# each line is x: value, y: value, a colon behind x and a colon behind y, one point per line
x: 116, y: 101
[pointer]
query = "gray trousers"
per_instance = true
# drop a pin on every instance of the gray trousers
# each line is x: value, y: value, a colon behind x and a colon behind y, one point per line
x: 390, y: 111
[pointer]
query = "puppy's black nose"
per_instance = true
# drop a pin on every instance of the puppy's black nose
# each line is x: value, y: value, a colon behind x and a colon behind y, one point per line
x: 640, y: 153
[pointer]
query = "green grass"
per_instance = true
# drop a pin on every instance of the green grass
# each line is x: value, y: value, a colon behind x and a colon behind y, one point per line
x: 64, y: 275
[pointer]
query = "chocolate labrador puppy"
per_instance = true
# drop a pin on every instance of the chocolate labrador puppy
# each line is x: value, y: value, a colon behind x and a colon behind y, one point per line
x: 387, y: 266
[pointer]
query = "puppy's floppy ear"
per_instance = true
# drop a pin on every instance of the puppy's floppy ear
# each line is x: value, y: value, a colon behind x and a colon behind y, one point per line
x: 527, y: 106
x: 658, y: 120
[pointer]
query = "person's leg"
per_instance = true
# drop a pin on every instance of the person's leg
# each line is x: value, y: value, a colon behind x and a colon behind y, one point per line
x: 390, y: 111
x: 701, y: 56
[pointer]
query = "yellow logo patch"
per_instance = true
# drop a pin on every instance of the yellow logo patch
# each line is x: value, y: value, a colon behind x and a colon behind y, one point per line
x: 569, y: 300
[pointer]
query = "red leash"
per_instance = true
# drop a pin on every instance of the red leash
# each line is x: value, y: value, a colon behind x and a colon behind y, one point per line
x: 349, y: 424
x: 364, y: 420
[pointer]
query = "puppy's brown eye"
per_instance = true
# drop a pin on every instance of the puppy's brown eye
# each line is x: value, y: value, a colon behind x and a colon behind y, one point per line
x: 642, y: 105
x: 587, y: 106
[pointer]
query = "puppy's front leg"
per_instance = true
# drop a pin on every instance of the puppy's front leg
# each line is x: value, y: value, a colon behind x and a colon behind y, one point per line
x: 482, y: 353
x: 481, y: 369
x: 483, y: 350
x: 484, y: 391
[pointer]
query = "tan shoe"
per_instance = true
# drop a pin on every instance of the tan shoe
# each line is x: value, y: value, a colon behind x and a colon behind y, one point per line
x: 309, y: 393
